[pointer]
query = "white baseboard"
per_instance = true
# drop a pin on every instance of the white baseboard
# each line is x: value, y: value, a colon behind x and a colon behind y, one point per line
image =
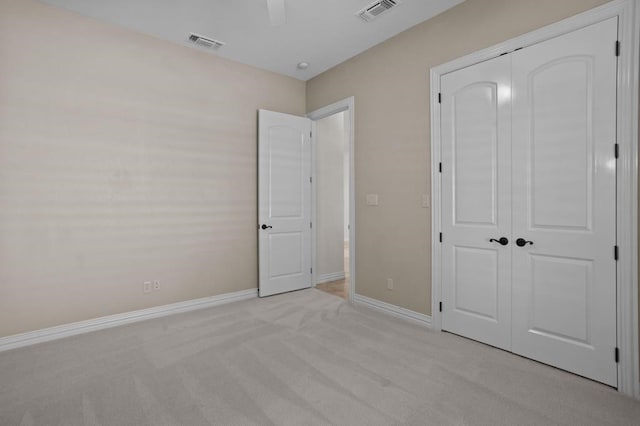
x: 66, y: 330
x: 326, y: 278
x: 396, y: 311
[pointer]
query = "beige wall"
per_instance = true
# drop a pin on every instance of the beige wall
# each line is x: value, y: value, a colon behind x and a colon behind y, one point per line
x: 330, y: 148
x: 123, y: 159
x: 390, y: 83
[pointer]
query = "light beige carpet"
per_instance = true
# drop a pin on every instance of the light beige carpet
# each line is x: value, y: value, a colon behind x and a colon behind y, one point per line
x: 302, y: 358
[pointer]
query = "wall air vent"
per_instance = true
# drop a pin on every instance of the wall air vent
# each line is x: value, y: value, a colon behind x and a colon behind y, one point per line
x: 205, y: 42
x: 372, y: 11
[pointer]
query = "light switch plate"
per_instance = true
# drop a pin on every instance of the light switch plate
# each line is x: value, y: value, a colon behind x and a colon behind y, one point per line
x: 372, y: 199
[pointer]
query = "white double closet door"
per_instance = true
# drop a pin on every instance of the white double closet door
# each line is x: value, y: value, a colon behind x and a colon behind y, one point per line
x: 528, y: 154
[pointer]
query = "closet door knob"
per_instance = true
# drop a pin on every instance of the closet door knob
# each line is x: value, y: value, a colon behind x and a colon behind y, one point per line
x: 521, y: 242
x: 266, y: 226
x: 502, y: 241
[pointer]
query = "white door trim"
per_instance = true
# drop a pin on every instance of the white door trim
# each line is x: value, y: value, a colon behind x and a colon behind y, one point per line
x: 347, y: 105
x: 627, y: 127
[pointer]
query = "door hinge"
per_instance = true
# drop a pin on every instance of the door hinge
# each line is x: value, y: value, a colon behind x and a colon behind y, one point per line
x: 439, y: 98
x: 615, y: 252
x: 440, y: 167
x: 311, y: 225
x: 310, y: 179
x: 310, y: 134
x: 617, y: 48
x: 311, y: 270
x: 617, y: 150
x: 441, y: 237
x: 440, y: 306
x: 617, y: 355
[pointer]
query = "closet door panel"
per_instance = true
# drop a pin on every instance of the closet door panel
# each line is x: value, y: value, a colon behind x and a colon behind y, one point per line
x: 476, y: 202
x: 564, y: 130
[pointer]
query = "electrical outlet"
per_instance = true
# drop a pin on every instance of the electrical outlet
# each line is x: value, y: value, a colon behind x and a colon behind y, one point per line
x: 389, y: 284
x: 425, y: 201
x: 156, y: 285
x: 147, y: 286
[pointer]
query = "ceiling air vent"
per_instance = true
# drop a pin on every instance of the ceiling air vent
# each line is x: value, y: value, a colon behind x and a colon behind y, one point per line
x: 372, y: 11
x: 205, y: 42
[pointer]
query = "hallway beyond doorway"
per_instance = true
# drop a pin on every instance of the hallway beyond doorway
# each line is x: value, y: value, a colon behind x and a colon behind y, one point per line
x: 339, y: 288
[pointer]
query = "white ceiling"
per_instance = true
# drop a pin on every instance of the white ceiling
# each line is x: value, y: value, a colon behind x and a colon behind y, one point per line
x: 323, y: 33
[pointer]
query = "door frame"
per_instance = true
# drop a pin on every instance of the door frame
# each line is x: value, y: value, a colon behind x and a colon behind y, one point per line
x: 628, y: 13
x: 347, y: 105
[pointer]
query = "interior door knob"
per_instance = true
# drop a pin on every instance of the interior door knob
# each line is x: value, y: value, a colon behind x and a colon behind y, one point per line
x: 266, y: 226
x: 502, y: 241
x: 521, y: 242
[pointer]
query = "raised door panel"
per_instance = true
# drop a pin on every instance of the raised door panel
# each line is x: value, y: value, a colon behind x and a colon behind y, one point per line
x: 474, y: 145
x: 561, y: 159
x: 475, y: 281
x: 286, y: 165
x: 285, y: 258
x: 560, y: 298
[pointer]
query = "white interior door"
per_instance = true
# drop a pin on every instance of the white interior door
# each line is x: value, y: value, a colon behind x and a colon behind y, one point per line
x: 564, y: 186
x: 476, y: 202
x: 284, y: 202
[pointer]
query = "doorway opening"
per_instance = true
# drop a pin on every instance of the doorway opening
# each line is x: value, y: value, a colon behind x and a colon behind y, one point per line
x: 332, y: 205
x: 332, y: 198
